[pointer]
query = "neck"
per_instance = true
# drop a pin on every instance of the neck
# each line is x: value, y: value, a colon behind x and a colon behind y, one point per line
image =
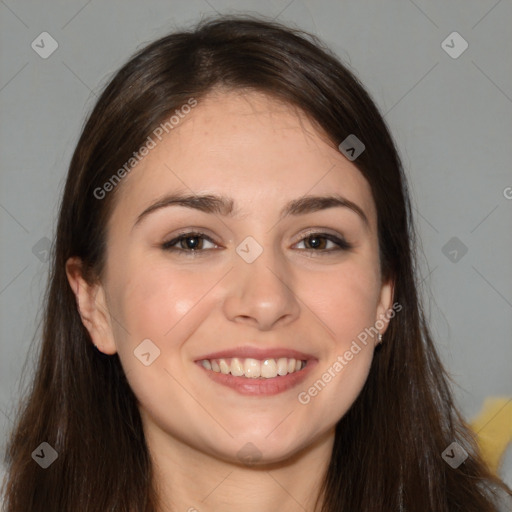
x: 188, y: 480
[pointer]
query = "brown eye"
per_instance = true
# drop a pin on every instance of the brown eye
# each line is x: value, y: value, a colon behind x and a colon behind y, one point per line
x: 316, y: 242
x: 188, y: 242
x: 191, y: 242
x: 324, y: 242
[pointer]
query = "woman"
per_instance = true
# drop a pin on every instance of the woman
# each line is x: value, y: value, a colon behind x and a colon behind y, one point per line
x: 232, y: 320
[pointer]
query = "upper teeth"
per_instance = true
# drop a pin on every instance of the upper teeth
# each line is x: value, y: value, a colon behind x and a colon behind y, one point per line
x: 268, y: 368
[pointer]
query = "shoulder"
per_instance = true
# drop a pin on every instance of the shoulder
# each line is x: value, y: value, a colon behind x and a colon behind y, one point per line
x: 499, y: 496
x: 503, y: 501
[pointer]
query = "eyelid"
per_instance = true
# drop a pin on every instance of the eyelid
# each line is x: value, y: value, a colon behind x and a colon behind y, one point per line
x: 190, y: 231
x: 184, y: 234
x: 319, y: 231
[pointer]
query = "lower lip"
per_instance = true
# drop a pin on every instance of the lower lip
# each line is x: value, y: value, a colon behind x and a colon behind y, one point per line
x: 260, y: 386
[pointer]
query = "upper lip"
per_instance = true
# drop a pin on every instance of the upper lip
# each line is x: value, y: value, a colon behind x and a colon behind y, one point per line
x: 257, y: 353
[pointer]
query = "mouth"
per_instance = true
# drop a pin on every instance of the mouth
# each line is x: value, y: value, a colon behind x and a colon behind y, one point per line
x: 251, y: 368
x: 252, y: 371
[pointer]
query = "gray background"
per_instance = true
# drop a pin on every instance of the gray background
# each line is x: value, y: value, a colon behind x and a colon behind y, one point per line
x: 451, y: 118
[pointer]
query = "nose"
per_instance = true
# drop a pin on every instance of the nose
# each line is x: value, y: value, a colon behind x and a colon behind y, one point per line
x: 261, y: 293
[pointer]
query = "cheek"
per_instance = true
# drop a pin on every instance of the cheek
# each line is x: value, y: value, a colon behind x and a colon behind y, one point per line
x: 345, y: 301
x: 346, y: 305
x: 161, y: 306
x: 165, y: 306
x: 155, y: 300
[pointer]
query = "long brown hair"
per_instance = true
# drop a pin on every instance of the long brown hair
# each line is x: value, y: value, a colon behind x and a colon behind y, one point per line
x: 387, y: 451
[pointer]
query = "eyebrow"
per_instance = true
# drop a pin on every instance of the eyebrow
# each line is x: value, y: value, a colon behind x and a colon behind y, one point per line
x: 222, y: 205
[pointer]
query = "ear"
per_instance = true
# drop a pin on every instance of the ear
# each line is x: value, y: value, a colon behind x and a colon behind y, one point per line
x: 92, y: 307
x: 385, y: 305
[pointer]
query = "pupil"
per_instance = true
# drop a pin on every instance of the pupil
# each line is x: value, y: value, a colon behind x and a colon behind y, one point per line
x: 194, y: 243
x: 314, y: 242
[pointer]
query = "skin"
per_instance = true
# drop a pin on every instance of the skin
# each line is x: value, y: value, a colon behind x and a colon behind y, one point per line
x: 262, y: 154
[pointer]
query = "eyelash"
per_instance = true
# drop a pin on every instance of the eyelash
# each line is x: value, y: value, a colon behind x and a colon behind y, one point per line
x: 342, y: 244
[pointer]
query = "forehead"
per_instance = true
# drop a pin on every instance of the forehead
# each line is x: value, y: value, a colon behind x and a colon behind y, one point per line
x: 247, y: 145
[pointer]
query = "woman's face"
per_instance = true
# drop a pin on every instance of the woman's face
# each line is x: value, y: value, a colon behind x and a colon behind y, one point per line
x: 274, y: 279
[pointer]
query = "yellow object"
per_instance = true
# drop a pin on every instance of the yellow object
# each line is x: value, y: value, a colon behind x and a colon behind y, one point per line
x: 493, y: 427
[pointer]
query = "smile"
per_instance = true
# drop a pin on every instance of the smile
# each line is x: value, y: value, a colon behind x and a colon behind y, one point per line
x: 253, y: 368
